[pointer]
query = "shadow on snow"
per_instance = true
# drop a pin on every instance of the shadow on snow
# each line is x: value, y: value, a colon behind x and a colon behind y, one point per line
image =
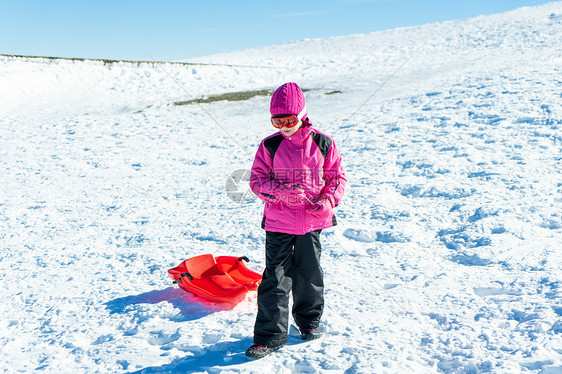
x: 190, y: 307
x: 220, y: 354
x: 216, y: 357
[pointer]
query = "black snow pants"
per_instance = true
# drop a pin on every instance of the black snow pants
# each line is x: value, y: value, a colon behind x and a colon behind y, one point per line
x: 292, y: 262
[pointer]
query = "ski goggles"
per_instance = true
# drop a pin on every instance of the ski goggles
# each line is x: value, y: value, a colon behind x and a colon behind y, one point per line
x: 288, y: 121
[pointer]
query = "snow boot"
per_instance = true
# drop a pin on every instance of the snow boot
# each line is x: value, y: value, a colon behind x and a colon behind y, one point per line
x: 259, y: 350
x: 310, y: 334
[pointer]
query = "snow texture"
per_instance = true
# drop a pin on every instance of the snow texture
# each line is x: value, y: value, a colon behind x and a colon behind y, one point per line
x: 447, y: 257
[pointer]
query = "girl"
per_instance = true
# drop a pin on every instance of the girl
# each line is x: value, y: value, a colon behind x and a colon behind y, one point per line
x: 297, y: 172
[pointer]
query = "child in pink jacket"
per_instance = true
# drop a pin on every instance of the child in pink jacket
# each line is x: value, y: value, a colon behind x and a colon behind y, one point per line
x: 297, y: 172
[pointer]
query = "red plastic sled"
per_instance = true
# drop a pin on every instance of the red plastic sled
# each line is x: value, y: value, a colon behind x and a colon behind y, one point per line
x: 217, y: 279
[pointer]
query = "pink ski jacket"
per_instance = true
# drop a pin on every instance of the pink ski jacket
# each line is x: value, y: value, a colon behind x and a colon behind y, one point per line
x: 307, y: 159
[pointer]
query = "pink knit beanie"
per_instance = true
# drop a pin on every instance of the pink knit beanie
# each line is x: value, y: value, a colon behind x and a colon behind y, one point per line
x: 288, y: 99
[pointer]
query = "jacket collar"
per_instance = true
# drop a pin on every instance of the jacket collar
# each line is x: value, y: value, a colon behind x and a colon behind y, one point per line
x: 301, y: 135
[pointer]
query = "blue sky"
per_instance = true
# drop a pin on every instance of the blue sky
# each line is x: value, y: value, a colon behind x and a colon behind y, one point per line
x: 172, y: 30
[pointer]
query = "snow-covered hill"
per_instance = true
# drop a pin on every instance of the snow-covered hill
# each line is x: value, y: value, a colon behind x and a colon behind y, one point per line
x: 447, y: 256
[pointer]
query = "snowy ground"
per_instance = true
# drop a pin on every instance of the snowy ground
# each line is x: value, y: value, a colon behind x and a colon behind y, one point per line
x: 447, y: 256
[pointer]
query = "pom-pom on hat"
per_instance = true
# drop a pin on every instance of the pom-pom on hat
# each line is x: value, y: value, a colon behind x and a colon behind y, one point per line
x: 288, y: 99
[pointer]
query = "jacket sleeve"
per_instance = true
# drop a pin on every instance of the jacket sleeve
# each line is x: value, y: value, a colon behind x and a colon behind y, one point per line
x: 334, y: 176
x: 262, y: 178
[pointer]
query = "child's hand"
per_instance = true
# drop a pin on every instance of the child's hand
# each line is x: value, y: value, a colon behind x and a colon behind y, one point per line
x: 321, y: 209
